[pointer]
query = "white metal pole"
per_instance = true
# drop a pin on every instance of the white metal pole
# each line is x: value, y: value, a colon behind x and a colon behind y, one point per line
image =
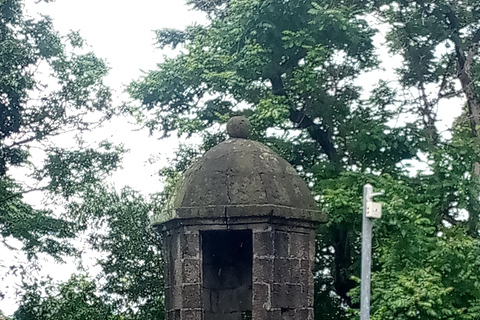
x: 366, y: 256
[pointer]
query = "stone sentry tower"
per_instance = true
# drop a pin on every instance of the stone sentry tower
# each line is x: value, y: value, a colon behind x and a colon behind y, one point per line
x: 238, y: 236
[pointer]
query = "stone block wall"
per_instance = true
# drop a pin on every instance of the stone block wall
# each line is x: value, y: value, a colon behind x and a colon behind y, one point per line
x: 183, y: 274
x: 282, y: 285
x: 283, y: 273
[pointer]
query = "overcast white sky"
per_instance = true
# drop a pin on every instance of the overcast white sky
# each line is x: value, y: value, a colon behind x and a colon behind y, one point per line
x: 122, y: 33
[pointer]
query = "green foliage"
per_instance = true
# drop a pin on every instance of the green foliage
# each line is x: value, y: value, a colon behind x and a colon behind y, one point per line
x: 438, y: 41
x: 49, y: 86
x: 235, y: 58
x: 71, y: 172
x: 73, y: 98
x: 29, y: 112
x: 131, y: 263
x: 39, y: 230
x: 427, y: 34
x: 130, y: 284
x: 76, y: 299
x: 290, y: 67
x: 4, y: 317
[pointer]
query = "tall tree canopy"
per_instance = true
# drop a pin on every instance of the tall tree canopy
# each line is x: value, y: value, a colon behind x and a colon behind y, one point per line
x: 49, y: 85
x: 291, y: 68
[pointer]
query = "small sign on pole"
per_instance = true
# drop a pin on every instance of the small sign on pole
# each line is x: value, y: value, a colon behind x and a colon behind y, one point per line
x: 374, y: 210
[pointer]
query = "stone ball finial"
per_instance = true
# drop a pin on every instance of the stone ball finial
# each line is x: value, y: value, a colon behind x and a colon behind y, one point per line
x: 238, y: 127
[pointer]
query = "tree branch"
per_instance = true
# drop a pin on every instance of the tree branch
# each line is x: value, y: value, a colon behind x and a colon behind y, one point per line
x: 428, y: 116
x: 450, y: 219
x: 321, y: 135
x: 316, y: 132
x: 476, y: 36
x: 19, y: 194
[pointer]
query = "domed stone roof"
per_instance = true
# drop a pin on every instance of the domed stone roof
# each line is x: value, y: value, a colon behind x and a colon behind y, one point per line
x: 240, y: 178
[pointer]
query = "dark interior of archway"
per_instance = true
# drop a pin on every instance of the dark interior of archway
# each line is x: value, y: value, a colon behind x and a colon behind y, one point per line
x: 227, y: 274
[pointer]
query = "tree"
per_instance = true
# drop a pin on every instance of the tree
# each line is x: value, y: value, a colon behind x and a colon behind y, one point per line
x: 291, y: 67
x: 29, y: 111
x: 132, y: 265
x: 48, y: 87
x: 130, y: 284
x: 75, y: 299
x: 439, y: 43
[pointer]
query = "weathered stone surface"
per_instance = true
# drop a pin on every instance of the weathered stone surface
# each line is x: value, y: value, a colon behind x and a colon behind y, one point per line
x: 285, y: 295
x: 200, y: 194
x: 274, y: 314
x: 240, y: 172
x: 246, y: 188
x: 281, y: 283
x: 263, y: 244
x: 177, y: 276
x: 227, y: 273
x: 282, y: 270
x: 296, y: 271
x: 305, y: 314
x: 281, y: 244
x: 259, y: 313
x: 262, y: 270
x: 311, y: 248
x: 191, y: 271
x: 173, y: 315
x: 177, y: 299
x: 238, y: 127
x: 261, y: 297
x: 288, y: 314
x: 190, y: 245
x: 191, y: 296
x: 168, y: 298
x: 299, y: 245
x: 191, y: 314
